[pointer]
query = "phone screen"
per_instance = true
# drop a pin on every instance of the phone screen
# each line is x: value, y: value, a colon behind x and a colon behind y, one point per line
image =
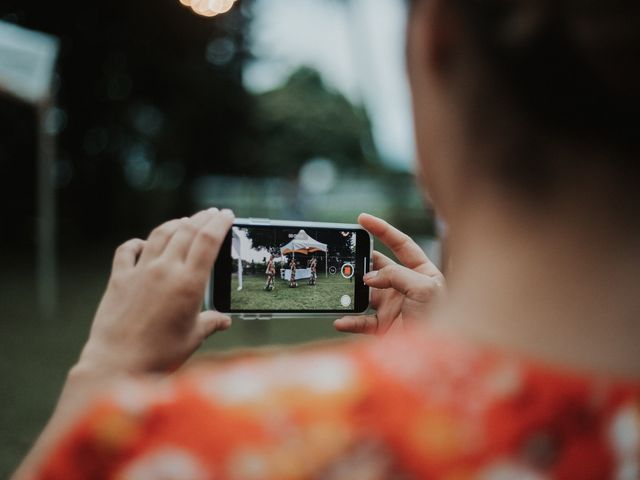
x: 271, y: 269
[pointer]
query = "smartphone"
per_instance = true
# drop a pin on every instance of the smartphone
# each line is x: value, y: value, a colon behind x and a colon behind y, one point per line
x: 275, y: 268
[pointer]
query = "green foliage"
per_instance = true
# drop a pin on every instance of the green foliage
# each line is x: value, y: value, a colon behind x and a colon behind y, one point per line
x: 304, y: 119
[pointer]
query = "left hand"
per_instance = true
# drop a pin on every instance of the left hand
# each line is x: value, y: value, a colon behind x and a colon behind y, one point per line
x: 403, y: 293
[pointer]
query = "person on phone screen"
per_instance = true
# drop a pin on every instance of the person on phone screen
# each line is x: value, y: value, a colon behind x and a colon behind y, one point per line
x: 313, y: 267
x: 271, y: 274
x: 292, y: 266
x: 524, y: 366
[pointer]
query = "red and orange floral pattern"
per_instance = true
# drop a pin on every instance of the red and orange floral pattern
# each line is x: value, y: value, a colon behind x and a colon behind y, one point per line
x: 420, y: 407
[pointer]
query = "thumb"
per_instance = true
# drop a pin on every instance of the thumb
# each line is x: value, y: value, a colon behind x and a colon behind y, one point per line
x: 367, y: 324
x: 210, y: 322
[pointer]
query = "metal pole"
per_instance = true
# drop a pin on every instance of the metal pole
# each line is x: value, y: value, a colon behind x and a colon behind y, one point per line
x: 326, y: 263
x: 46, y: 227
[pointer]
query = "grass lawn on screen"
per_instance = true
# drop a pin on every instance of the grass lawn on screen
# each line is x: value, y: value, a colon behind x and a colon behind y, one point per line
x: 325, y: 295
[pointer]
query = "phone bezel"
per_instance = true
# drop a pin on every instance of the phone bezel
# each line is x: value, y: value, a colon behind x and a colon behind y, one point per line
x: 219, y: 290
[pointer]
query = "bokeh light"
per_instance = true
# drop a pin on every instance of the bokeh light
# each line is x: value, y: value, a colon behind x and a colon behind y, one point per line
x: 209, y: 8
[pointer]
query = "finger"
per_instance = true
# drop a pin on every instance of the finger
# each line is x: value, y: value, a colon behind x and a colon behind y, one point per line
x: 367, y: 324
x: 159, y: 239
x: 380, y: 260
x: 408, y: 252
x: 179, y: 245
x: 411, y: 284
x: 210, y: 322
x: 127, y: 254
x: 207, y: 243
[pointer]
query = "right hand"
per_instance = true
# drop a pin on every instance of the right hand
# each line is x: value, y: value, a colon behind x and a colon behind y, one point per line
x: 149, y: 319
x: 402, y: 293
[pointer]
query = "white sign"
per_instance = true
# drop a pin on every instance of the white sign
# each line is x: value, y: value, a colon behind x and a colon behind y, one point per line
x: 27, y: 61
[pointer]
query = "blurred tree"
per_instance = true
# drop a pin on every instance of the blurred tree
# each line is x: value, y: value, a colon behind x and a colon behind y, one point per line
x: 304, y: 119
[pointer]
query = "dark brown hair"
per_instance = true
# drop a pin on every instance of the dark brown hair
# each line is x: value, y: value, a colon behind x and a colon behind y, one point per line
x: 571, y: 70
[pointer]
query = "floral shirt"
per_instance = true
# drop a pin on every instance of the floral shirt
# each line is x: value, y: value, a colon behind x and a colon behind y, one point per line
x: 403, y: 407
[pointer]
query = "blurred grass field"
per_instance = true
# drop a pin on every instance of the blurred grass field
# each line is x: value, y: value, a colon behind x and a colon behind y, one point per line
x: 325, y: 295
x: 35, y: 352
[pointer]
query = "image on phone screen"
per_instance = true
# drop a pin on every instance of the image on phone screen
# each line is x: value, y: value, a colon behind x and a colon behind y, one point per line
x: 293, y: 269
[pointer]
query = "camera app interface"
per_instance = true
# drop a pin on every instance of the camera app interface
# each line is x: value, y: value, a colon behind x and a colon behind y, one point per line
x: 280, y: 269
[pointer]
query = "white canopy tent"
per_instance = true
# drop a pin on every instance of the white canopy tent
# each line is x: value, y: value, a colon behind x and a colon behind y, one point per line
x: 303, y: 244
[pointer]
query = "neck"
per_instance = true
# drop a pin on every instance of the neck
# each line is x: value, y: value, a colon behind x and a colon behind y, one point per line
x: 557, y: 290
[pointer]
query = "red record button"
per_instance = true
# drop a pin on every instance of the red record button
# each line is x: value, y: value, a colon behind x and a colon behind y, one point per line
x: 347, y: 270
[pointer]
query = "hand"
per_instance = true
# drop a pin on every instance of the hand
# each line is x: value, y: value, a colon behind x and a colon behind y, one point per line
x: 402, y: 294
x: 149, y: 319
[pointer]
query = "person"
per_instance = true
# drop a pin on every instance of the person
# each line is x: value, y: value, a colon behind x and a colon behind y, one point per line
x: 271, y: 274
x: 313, y: 266
x: 525, y: 365
x: 292, y: 267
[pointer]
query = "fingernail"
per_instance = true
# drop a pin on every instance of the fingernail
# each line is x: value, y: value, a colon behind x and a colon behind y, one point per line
x: 370, y: 275
x: 213, y: 210
x: 228, y: 212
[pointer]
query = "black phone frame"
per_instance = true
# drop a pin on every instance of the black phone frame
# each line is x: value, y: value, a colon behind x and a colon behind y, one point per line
x: 220, y: 282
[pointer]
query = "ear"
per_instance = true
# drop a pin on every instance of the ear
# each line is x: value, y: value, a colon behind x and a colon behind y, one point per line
x: 434, y: 44
x: 433, y: 37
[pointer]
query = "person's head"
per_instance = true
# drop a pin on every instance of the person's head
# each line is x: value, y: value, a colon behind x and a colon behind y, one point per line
x: 536, y: 102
